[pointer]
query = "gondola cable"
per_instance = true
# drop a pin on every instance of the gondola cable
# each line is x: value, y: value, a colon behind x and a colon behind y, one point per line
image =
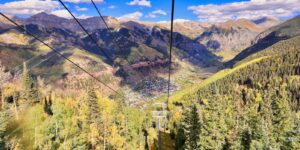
x: 170, y: 49
x: 89, y: 35
x: 110, y: 31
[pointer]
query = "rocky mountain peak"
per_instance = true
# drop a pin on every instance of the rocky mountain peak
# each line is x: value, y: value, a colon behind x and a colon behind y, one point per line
x: 45, y: 16
x: 226, y: 36
x: 46, y: 20
x: 240, y: 23
x: 134, y: 25
x: 267, y: 21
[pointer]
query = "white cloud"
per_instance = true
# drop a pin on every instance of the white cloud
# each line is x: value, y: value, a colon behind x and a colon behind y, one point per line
x: 32, y: 7
x: 28, y: 7
x: 175, y: 20
x: 83, y: 1
x: 132, y: 16
x: 155, y: 13
x: 146, y: 3
x: 181, y: 20
x: 65, y: 14
x: 160, y: 12
x: 164, y: 21
x: 83, y: 16
x: 112, y: 7
x: 252, y: 9
x: 62, y: 13
x: 80, y: 8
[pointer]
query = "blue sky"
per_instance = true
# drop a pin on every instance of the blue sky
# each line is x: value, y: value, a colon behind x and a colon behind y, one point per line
x: 181, y: 8
x: 159, y: 10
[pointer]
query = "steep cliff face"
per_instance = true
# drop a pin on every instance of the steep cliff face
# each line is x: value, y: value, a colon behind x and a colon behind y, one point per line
x: 189, y: 29
x: 284, y: 31
x: 218, y: 38
x: 231, y: 37
x: 227, y: 36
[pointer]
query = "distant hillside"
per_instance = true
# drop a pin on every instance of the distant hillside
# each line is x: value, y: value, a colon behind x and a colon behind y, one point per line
x: 269, y: 37
x: 52, y: 21
x: 218, y: 38
x: 241, y: 23
x: 228, y: 38
x: 187, y: 28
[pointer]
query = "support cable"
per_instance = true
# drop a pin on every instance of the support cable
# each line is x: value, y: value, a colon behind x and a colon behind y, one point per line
x: 89, y: 35
x: 92, y: 37
x: 170, y: 50
x: 111, y: 32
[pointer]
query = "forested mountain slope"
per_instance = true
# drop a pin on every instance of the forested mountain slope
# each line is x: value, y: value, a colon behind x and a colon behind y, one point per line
x: 254, y: 105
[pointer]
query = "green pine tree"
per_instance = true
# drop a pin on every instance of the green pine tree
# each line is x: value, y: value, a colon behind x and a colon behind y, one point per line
x: 93, y: 118
x: 180, y: 138
x: 192, y: 127
x: 292, y: 140
x: 246, y: 139
x: 266, y: 113
x: 255, y: 122
x: 30, y: 90
x: 212, y: 136
x: 92, y: 102
x: 282, y: 121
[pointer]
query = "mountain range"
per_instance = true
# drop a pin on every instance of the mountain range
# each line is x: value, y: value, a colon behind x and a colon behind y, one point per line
x: 139, y: 49
x: 129, y: 42
x: 284, y: 31
x: 212, y: 37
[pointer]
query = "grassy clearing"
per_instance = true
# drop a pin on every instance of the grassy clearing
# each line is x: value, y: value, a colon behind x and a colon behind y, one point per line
x: 226, y: 55
x: 14, y: 38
